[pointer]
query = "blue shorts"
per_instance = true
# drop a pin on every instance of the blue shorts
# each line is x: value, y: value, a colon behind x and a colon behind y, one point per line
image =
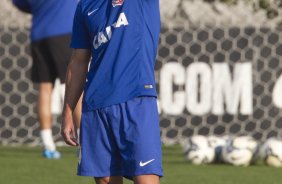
x: 121, y: 140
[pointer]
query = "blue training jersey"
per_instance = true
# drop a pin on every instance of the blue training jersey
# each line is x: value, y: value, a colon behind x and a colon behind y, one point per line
x: 123, y: 38
x: 49, y: 17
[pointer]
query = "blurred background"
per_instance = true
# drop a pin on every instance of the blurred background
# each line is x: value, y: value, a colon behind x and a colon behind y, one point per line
x: 218, y: 71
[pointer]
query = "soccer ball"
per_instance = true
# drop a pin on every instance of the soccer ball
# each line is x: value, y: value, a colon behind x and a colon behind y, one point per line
x: 198, y: 151
x: 271, y: 152
x: 217, y: 143
x: 239, y: 151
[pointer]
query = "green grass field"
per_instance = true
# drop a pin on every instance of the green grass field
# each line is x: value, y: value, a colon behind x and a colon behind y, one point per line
x: 24, y: 165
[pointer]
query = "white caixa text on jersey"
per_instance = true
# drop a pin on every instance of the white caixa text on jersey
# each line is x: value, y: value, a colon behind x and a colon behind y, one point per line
x: 105, y: 36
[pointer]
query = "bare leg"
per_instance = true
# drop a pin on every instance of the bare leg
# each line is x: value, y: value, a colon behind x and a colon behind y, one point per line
x: 109, y: 180
x: 146, y: 179
x: 44, y: 105
x: 45, y: 119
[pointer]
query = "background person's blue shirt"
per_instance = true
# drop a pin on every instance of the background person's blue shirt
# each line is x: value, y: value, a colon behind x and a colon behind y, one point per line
x: 123, y: 37
x: 49, y: 17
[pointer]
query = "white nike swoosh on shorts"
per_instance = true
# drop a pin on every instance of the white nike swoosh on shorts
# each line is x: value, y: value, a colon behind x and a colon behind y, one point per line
x: 142, y: 164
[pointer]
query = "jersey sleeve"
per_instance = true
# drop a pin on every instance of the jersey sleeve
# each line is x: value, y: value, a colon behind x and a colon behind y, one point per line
x: 80, y: 33
x: 23, y: 5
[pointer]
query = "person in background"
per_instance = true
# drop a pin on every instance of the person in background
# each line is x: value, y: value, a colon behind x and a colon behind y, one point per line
x: 50, y: 38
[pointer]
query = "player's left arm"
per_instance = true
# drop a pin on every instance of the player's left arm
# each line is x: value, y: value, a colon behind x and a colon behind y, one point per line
x: 23, y: 5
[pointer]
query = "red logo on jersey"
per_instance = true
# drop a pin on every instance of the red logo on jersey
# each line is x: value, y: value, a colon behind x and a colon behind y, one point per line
x: 117, y: 2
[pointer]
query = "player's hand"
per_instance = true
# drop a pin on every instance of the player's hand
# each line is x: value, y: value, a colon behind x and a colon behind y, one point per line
x: 68, y: 131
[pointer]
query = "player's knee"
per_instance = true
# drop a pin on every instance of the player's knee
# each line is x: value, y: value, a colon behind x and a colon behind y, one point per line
x: 102, y: 180
x: 147, y: 179
x: 108, y: 180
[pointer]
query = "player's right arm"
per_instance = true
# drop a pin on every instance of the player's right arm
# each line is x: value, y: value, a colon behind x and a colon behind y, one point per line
x: 76, y: 73
x: 23, y: 5
x: 75, y: 80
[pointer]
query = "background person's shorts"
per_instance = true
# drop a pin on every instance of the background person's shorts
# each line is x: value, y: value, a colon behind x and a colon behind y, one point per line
x: 50, y: 58
x: 121, y: 140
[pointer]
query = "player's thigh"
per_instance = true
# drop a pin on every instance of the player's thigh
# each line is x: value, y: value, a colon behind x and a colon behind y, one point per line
x: 99, y: 156
x: 60, y: 53
x: 138, y: 136
x: 43, y: 69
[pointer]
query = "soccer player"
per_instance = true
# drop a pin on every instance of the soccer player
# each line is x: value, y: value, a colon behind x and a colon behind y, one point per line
x: 120, y: 135
x: 50, y: 37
